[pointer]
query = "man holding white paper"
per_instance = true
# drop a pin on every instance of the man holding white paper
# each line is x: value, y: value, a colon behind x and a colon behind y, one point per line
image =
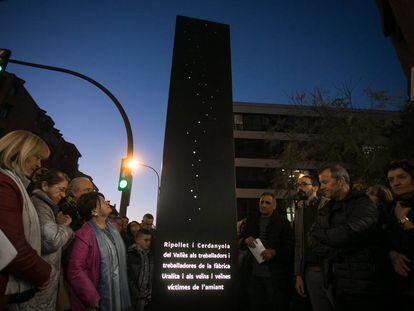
x: 268, y: 266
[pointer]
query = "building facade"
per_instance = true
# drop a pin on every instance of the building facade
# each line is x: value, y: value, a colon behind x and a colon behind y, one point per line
x: 261, y: 134
x: 18, y: 111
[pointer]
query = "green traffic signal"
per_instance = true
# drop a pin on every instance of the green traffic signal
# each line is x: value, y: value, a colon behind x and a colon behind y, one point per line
x: 122, y: 184
x: 125, y: 176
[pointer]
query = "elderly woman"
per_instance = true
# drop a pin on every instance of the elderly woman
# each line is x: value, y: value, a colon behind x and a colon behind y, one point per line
x: 21, y: 153
x: 56, y: 233
x: 97, y: 270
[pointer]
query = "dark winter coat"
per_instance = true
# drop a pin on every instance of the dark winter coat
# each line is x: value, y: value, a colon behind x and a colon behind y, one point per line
x: 139, y: 276
x: 346, y: 237
x: 279, y: 236
x: 402, y: 241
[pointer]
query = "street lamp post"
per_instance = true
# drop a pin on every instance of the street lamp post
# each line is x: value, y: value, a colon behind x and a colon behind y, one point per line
x: 158, y: 178
x: 125, y: 196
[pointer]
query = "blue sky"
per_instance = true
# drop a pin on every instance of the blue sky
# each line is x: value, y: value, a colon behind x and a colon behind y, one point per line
x: 278, y: 47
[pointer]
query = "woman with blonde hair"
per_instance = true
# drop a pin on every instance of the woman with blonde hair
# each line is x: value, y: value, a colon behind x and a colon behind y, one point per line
x: 21, y: 153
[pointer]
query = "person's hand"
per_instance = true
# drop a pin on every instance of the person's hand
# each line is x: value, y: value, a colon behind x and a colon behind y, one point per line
x: 268, y: 254
x: 250, y: 241
x: 62, y: 219
x: 401, y: 211
x: 400, y: 263
x: 300, y: 286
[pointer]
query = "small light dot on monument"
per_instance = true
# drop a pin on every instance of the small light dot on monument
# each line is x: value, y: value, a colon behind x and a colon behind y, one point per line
x: 188, y: 133
x: 189, y: 219
x: 194, y: 152
x: 199, y: 122
x: 196, y: 175
x: 189, y: 77
x: 191, y: 190
x: 199, y: 160
x: 195, y: 197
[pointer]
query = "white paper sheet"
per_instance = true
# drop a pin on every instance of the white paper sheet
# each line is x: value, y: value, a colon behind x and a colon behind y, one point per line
x: 7, y: 253
x: 256, y: 251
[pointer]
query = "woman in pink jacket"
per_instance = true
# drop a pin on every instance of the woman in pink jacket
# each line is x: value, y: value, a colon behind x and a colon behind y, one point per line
x: 97, y: 270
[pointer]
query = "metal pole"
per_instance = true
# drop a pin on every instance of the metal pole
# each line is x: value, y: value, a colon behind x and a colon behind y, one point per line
x: 130, y: 144
x: 158, y: 179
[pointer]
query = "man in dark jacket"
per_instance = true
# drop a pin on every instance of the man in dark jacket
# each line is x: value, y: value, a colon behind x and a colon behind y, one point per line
x: 400, y: 176
x: 307, y: 266
x: 269, y: 282
x: 345, y: 237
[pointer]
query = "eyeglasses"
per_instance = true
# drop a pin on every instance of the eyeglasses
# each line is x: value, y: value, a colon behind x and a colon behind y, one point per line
x: 61, y: 189
x: 303, y: 184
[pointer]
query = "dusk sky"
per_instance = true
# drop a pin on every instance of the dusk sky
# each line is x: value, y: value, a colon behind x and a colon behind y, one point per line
x: 278, y: 47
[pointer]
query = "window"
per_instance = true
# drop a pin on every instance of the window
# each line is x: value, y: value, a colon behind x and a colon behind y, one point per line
x: 238, y: 121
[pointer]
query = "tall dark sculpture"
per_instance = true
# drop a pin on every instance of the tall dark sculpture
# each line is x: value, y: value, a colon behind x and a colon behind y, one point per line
x: 196, y: 221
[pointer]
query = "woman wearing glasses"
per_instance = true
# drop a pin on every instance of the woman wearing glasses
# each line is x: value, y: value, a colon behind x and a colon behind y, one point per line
x: 50, y: 189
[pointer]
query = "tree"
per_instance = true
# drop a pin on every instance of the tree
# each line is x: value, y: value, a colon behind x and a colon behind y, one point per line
x: 402, y: 134
x: 336, y: 132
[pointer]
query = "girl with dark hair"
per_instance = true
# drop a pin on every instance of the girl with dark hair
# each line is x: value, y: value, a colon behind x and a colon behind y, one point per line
x: 50, y: 188
x: 97, y: 270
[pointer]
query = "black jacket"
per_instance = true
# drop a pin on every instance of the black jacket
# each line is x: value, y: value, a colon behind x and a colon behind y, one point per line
x: 346, y: 237
x: 402, y: 240
x: 139, y: 276
x: 279, y: 236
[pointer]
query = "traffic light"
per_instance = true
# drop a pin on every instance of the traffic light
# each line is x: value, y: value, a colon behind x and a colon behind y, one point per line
x: 125, y: 176
x: 4, y: 58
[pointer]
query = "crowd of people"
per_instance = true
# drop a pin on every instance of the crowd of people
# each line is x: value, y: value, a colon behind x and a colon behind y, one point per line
x: 346, y: 249
x: 63, y: 247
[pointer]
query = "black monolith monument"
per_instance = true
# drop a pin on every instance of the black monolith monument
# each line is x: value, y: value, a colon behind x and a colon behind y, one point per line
x: 195, y: 249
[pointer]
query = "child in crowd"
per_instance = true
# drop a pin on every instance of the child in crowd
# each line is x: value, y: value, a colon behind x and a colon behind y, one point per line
x: 140, y: 268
